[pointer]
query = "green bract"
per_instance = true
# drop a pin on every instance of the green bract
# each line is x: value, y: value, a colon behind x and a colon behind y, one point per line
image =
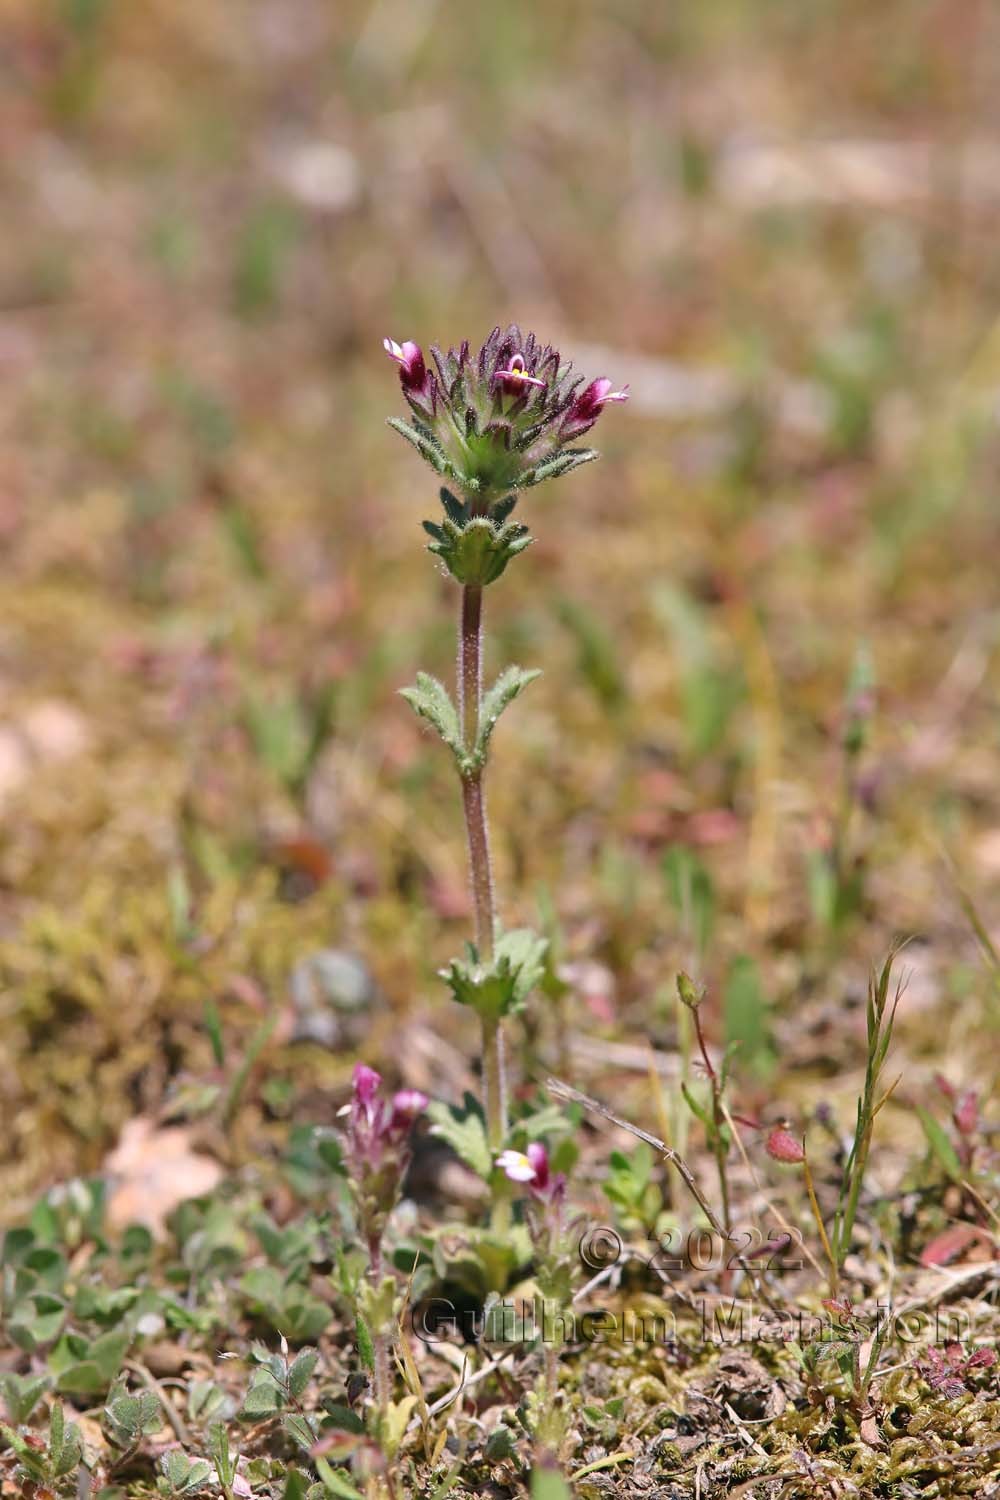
x: 501, y: 986
x: 431, y: 700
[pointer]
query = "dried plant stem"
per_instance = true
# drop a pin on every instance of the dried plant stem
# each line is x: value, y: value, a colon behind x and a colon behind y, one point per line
x: 560, y: 1090
x: 831, y: 1259
x: 470, y: 692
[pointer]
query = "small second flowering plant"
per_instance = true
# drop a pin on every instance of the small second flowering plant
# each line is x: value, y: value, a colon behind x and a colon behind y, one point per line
x: 491, y: 423
x: 553, y: 1270
x: 377, y: 1153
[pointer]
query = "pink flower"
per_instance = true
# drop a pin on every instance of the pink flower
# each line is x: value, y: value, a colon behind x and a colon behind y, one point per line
x: 410, y: 358
x: 515, y: 377
x: 539, y: 1159
x: 586, y: 407
x: 366, y: 1086
x: 406, y: 1106
x: 516, y: 1166
x: 532, y: 1167
x: 419, y: 385
x: 966, y: 1112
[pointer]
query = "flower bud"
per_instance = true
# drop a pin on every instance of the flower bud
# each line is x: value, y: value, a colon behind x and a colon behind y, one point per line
x: 966, y: 1112
x: 688, y: 991
x: 782, y: 1146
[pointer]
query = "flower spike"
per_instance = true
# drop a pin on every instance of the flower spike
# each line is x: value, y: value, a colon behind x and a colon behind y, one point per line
x: 500, y: 420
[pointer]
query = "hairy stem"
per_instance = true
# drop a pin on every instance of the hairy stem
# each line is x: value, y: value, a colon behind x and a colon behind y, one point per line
x: 470, y: 692
x: 380, y: 1351
x: 380, y: 1346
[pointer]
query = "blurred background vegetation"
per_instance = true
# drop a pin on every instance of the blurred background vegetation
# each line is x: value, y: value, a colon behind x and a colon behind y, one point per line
x: 766, y: 740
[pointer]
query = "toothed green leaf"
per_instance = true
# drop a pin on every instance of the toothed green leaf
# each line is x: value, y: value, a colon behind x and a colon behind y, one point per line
x: 501, y: 986
x: 512, y: 681
x: 465, y: 1132
x: 431, y: 700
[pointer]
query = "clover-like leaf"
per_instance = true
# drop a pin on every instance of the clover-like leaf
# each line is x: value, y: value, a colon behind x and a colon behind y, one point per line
x: 300, y: 1371
x: 185, y: 1475
x: 126, y: 1419
x: 264, y: 1397
x: 21, y: 1394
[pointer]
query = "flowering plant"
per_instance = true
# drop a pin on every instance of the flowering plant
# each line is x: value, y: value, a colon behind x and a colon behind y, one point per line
x: 377, y: 1152
x: 377, y: 1155
x: 493, y: 423
x: 553, y: 1267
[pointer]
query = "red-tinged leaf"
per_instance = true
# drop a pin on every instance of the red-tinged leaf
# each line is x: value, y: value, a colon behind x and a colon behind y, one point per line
x: 340, y: 1443
x: 952, y: 1244
x: 966, y: 1114
x: 944, y: 1087
x: 306, y: 856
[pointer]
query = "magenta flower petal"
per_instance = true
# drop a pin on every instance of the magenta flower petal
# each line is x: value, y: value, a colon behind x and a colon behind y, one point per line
x: 539, y: 1159
x: 410, y: 359
x: 586, y: 407
x: 366, y: 1083
x: 407, y: 1106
